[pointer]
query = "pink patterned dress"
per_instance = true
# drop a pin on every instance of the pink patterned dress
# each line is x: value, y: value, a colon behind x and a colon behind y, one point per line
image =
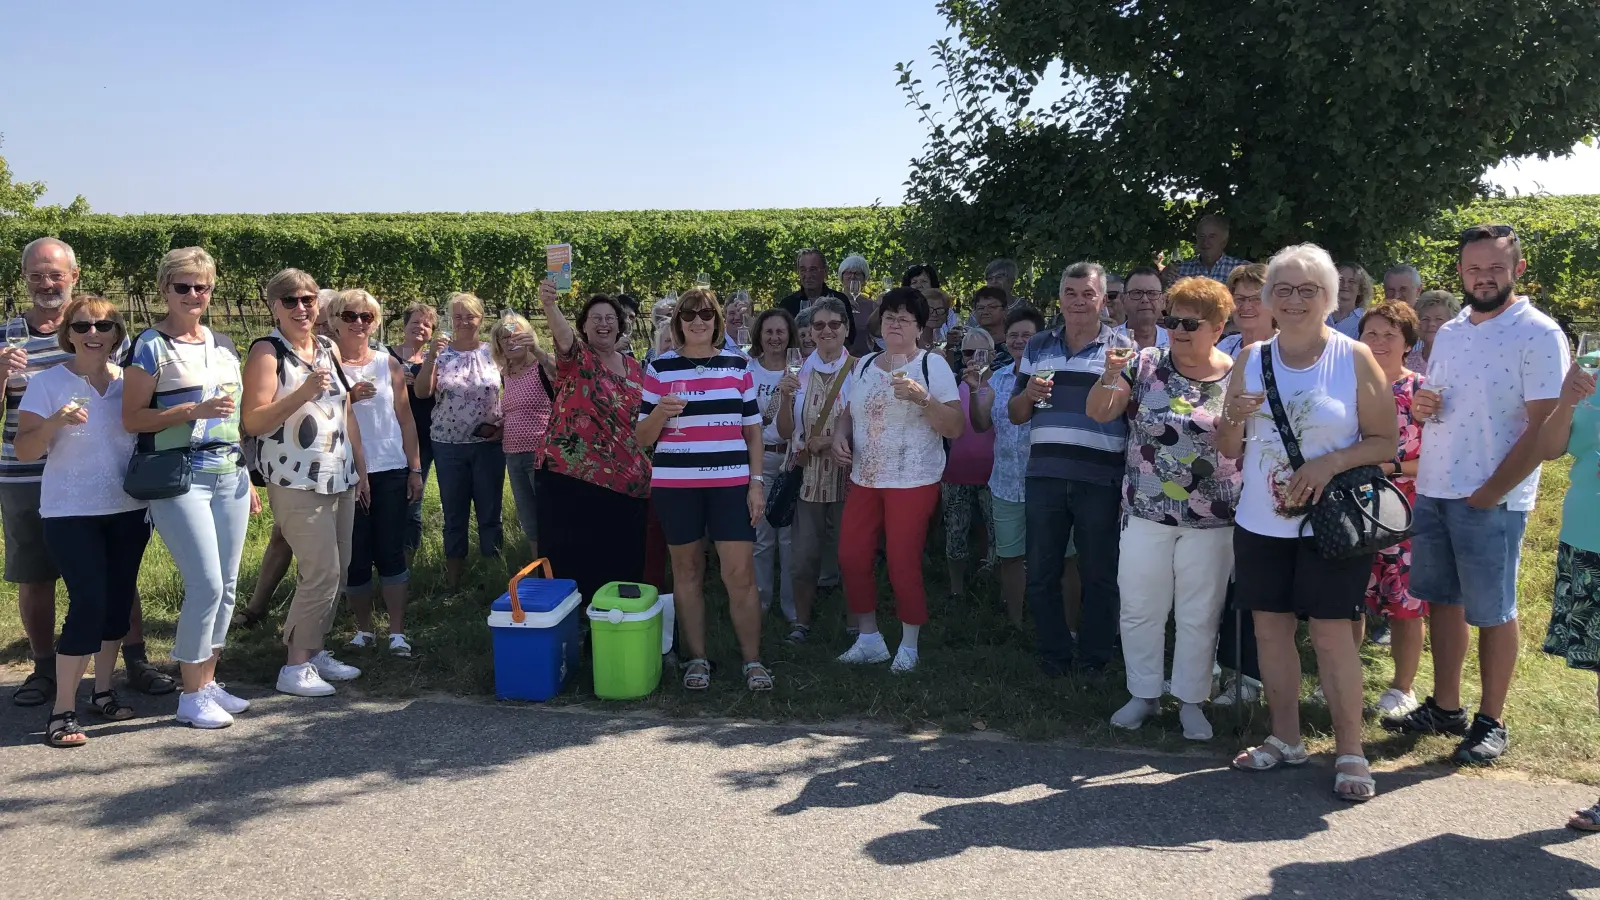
x: 1389, y: 588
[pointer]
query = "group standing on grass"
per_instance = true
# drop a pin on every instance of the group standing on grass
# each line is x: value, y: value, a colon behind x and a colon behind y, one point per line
x: 1164, y: 439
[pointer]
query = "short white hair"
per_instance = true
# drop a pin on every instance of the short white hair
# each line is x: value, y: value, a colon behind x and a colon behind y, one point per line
x: 39, y: 243
x: 855, y: 262
x: 1313, y: 259
x: 1084, y: 270
x: 1407, y: 270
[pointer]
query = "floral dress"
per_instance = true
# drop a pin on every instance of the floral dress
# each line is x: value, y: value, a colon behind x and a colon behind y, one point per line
x: 1175, y: 475
x: 1389, y: 588
x: 590, y: 436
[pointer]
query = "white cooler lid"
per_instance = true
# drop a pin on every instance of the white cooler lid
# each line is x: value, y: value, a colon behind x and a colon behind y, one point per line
x: 617, y: 616
x: 502, y: 618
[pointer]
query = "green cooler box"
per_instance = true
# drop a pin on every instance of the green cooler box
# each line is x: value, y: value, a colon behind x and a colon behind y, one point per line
x: 625, y: 632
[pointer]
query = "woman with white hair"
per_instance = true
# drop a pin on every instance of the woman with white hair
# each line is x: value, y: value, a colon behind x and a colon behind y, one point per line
x: 1340, y: 408
x: 854, y: 274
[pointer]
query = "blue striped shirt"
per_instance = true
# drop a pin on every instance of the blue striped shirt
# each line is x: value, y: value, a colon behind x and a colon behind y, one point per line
x: 1064, y: 442
x: 44, y: 352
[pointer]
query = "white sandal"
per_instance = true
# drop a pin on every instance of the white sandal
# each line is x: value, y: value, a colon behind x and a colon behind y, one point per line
x: 1340, y: 779
x: 1259, y: 760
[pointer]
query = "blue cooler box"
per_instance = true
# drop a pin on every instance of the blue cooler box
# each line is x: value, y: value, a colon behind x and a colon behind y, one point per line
x: 535, y: 630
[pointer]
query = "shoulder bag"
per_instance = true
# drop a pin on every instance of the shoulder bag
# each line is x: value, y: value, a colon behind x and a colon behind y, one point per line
x: 785, y: 495
x: 163, y: 474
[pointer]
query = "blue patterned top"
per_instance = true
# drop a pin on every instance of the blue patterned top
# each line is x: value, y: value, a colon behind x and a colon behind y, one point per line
x: 1008, y: 478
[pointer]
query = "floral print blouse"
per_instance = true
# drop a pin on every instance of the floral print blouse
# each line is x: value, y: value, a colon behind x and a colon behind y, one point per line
x: 1410, y: 431
x: 590, y: 436
x: 1175, y: 475
x: 467, y: 392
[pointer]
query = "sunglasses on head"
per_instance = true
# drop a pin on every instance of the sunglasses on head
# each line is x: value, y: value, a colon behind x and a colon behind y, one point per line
x: 351, y: 318
x: 704, y: 314
x: 1495, y: 231
x: 200, y: 290
x: 1173, y: 323
x: 306, y: 300
x: 104, y: 326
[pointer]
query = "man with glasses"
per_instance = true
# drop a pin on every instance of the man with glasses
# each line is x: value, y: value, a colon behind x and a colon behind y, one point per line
x: 50, y: 270
x: 989, y: 309
x: 812, y: 267
x: 1146, y: 302
x: 1211, y: 249
x: 1497, y: 374
x: 1115, y: 314
x: 1402, y: 283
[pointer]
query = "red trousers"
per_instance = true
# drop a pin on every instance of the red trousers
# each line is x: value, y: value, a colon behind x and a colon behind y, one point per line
x: 898, y: 518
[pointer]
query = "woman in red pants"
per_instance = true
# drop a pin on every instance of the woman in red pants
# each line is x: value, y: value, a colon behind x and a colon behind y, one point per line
x: 899, y: 407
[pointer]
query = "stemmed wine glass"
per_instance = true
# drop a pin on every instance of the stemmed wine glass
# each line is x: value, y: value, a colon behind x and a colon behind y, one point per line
x: 792, y: 361
x: 980, y: 360
x: 743, y: 339
x: 1438, y: 381
x: 679, y: 388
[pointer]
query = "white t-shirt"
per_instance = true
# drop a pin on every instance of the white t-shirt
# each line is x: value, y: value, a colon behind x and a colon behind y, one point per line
x: 1491, y: 369
x: 767, y: 399
x: 891, y: 443
x: 86, y: 463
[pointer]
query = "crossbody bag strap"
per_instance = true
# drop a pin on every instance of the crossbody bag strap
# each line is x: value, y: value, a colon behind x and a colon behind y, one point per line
x: 1280, y: 417
x: 833, y: 396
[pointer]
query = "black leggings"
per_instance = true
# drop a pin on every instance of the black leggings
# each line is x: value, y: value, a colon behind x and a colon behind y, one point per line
x: 102, y: 577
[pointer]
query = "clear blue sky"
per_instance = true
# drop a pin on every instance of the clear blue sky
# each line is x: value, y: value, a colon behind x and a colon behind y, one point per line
x: 477, y: 105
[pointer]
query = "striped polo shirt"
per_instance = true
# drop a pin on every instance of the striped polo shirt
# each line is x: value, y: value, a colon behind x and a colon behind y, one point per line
x: 43, y: 353
x: 711, y: 451
x: 1064, y: 441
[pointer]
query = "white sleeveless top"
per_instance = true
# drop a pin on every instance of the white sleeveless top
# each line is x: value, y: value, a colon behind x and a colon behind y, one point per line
x: 381, y: 442
x: 309, y: 451
x: 1321, y: 406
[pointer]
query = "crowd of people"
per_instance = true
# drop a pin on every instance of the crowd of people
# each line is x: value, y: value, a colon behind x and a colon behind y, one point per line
x: 1147, y: 453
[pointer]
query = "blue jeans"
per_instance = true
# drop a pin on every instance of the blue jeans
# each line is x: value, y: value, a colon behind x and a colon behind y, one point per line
x: 470, y: 476
x: 204, y: 530
x: 520, y: 467
x: 1467, y: 557
x: 413, y: 537
x: 1062, y: 512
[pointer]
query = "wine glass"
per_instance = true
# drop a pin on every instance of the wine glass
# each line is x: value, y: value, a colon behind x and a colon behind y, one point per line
x: 1437, y: 380
x: 702, y: 281
x: 981, y: 358
x: 1258, y: 414
x: 888, y: 284
x: 679, y: 388
x: 505, y: 315
x: 743, y: 339
x: 792, y: 360
x: 1589, y: 358
x: 17, y: 333
x: 1044, y: 373
x: 229, y: 389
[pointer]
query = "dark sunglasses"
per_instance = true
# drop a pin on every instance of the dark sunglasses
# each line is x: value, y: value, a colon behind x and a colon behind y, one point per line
x: 306, y: 300
x: 200, y: 290
x: 705, y: 314
x: 354, y: 317
x: 1112, y: 295
x: 835, y: 325
x: 104, y: 326
x: 1495, y: 231
x: 1173, y: 323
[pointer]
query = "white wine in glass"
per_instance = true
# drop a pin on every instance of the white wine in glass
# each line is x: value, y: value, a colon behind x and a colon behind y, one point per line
x: 1044, y: 373
x: 17, y: 333
x: 1438, y: 381
x: 792, y: 360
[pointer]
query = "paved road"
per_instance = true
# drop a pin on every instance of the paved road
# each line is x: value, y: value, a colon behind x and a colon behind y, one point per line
x: 444, y: 799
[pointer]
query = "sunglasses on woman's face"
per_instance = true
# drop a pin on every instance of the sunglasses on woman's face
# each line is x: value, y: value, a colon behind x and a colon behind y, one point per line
x: 306, y: 300
x: 200, y: 290
x: 103, y: 326
x: 705, y: 315
x: 834, y: 325
x: 1173, y: 323
x: 351, y: 318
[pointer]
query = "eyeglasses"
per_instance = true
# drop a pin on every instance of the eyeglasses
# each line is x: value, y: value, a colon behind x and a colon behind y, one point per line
x: 704, y: 314
x: 306, y: 300
x: 200, y: 290
x: 1306, y: 291
x: 1145, y: 295
x: 1173, y: 323
x: 42, y: 277
x: 834, y: 325
x: 104, y: 326
x: 900, y: 321
x: 1112, y: 295
x: 351, y: 318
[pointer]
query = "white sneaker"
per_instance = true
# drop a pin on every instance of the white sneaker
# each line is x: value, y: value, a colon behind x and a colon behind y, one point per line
x: 331, y: 669
x: 398, y: 646
x: 868, y: 649
x: 1134, y: 713
x: 905, y: 660
x: 1249, y: 691
x: 362, y: 640
x: 303, y: 681
x: 230, y: 704
x: 1196, y: 727
x: 1397, y: 704
x: 200, y: 711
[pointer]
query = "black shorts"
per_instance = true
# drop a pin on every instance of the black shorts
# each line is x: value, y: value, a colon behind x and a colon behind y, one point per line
x: 1286, y: 575
x: 688, y: 514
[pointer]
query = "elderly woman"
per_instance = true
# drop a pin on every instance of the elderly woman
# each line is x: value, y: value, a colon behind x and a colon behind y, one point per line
x: 180, y: 391
x: 1179, y: 495
x: 899, y: 407
x: 704, y: 483
x: 802, y: 325
x: 1434, y: 308
x: 528, y: 376
x: 297, y: 405
x: 775, y: 336
x: 1342, y: 413
x: 1390, y: 331
x: 594, y: 482
x: 968, y: 464
x: 1355, y: 295
x: 942, y: 318
x: 737, y: 314
x: 412, y: 351
x: 394, y: 468
x: 459, y: 372
x: 73, y: 412
x: 1254, y: 323
x: 854, y: 274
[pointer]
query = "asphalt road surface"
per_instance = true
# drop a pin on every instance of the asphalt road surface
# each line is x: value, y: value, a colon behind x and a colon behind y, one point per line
x: 445, y: 799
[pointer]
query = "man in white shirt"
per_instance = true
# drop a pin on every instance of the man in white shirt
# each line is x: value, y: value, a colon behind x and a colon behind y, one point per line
x: 1500, y: 365
x: 1146, y: 302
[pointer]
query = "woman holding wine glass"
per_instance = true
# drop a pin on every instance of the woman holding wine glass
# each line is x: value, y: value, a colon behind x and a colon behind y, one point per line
x: 778, y: 360
x: 854, y: 274
x: 181, y: 391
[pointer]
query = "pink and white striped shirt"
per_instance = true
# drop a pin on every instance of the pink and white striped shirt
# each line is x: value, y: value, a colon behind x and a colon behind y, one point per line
x: 711, y: 451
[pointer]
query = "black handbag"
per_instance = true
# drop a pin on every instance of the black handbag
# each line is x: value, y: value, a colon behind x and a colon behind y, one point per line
x: 1360, y: 512
x: 158, y: 474
x: 784, y: 498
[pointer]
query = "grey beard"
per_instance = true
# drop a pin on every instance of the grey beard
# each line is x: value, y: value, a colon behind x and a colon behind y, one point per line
x: 49, y: 301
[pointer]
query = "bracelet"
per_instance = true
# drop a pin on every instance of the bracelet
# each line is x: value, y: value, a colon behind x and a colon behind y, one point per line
x: 926, y: 402
x: 416, y: 471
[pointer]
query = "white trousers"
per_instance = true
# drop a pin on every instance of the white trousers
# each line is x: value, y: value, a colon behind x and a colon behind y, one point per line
x: 1169, y: 570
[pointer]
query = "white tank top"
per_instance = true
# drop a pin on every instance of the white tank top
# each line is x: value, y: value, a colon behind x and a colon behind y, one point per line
x: 381, y: 442
x: 1321, y: 406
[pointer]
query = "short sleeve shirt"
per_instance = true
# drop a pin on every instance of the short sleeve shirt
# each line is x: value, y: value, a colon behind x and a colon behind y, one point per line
x: 86, y: 463
x: 1008, y: 479
x: 891, y: 443
x: 590, y: 436
x: 1493, y: 369
x: 1580, y: 511
x: 705, y: 446
x: 1175, y: 474
x: 43, y: 353
x: 468, y: 395
x: 189, y: 372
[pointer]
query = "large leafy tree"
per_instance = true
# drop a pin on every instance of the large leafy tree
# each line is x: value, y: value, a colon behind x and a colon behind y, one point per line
x: 1348, y: 122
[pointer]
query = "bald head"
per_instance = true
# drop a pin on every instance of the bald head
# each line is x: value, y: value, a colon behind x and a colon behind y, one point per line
x: 50, y: 269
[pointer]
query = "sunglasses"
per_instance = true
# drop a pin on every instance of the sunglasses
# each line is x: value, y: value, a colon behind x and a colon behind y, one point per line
x: 200, y: 290
x: 1495, y: 231
x: 706, y: 314
x: 104, y: 326
x: 351, y: 318
x: 835, y: 325
x: 1173, y: 323
x: 306, y: 300
x: 1112, y: 295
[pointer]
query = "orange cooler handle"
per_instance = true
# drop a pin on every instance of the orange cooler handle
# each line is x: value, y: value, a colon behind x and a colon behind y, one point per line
x: 517, y: 615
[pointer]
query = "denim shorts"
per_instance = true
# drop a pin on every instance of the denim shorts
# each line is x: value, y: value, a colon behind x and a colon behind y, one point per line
x: 1467, y: 557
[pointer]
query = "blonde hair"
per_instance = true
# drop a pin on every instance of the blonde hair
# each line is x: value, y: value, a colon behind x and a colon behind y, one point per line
x: 355, y: 297
x: 287, y: 282
x: 1430, y: 299
x: 419, y: 308
x: 510, y: 323
x: 1249, y: 273
x: 1209, y: 298
x: 96, y: 306
x: 468, y: 301
x: 185, y: 259
x: 695, y: 299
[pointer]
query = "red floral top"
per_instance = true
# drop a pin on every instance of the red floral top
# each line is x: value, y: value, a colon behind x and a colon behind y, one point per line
x: 1410, y: 431
x: 591, y: 425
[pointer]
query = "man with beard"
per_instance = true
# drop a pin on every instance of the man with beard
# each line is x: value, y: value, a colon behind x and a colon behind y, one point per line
x: 812, y: 268
x: 1499, y: 368
x: 50, y: 270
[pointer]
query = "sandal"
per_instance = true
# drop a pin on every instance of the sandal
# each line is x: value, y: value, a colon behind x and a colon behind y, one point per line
x: 108, y: 707
x: 696, y: 675
x: 1261, y: 759
x: 37, y: 689
x: 757, y: 677
x: 1340, y: 779
x: 1586, y: 819
x: 147, y: 679
x: 798, y: 633
x: 67, y: 734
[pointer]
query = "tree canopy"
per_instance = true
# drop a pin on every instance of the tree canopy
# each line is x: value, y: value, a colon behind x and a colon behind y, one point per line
x: 1347, y: 122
